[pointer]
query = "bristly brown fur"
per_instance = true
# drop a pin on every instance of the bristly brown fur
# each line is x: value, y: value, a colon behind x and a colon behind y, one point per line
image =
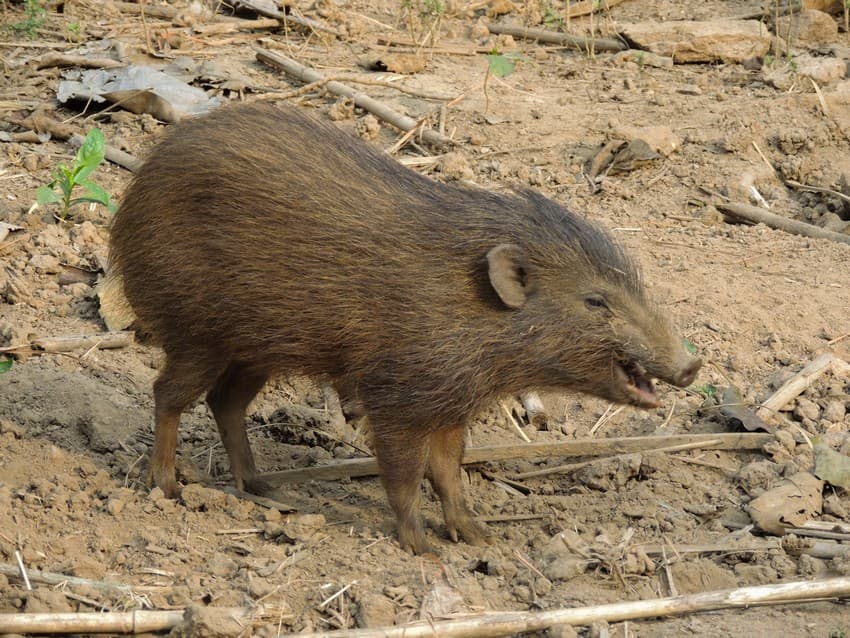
x: 258, y: 241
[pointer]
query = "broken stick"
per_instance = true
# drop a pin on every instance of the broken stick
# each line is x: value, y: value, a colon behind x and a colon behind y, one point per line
x: 797, y: 384
x: 757, y: 215
x: 126, y: 622
x: 305, y: 74
x: 52, y: 578
x: 102, y: 341
x: 556, y: 37
x: 112, y: 154
x: 534, y: 410
x: 572, y: 467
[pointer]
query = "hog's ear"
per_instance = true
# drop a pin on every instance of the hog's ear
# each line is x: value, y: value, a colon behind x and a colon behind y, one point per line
x: 507, y: 269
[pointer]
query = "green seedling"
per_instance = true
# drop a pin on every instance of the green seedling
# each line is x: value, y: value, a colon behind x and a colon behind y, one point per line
x: 5, y: 365
x: 499, y: 65
x: 433, y: 8
x: 551, y: 18
x: 74, y: 31
x: 707, y: 390
x: 34, y: 15
x: 67, y: 180
x: 691, y: 348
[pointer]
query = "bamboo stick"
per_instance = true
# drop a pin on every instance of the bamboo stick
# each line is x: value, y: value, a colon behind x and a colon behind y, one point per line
x: 511, y: 623
x: 127, y: 622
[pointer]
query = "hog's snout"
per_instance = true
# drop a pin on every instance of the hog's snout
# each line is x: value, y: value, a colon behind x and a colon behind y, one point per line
x: 685, y: 370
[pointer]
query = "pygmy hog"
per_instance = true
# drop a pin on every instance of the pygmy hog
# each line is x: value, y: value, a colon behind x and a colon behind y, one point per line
x: 258, y: 241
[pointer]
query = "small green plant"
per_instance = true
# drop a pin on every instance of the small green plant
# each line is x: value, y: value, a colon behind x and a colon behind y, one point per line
x: 67, y: 179
x: 34, y: 15
x: 707, y: 390
x: 500, y: 65
x: 837, y: 633
x: 74, y: 31
x: 433, y: 7
x: 5, y: 365
x: 552, y: 19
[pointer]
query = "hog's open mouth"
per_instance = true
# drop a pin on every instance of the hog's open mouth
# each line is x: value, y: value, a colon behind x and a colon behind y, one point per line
x: 632, y: 377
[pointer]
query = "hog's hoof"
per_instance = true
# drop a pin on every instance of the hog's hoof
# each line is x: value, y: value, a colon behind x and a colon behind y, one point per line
x: 411, y: 537
x: 471, y: 531
x: 166, y: 481
x: 260, y: 487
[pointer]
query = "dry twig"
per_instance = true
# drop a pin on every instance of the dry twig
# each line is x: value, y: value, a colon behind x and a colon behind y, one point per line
x: 572, y: 467
x: 797, y: 384
x: 562, y: 39
x: 757, y: 215
x: 50, y: 578
x: 362, y: 100
x: 579, y: 447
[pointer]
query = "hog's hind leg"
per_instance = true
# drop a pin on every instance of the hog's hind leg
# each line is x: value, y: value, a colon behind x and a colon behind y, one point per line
x: 228, y: 399
x: 181, y: 381
x: 445, y: 452
x: 402, y: 457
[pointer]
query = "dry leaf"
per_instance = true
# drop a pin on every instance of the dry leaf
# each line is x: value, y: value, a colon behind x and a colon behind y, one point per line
x: 731, y: 407
x: 790, y: 504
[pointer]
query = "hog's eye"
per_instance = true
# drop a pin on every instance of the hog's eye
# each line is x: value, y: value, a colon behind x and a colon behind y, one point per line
x: 595, y: 302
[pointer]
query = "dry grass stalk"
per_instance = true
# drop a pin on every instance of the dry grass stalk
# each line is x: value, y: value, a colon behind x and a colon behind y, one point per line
x: 586, y: 7
x: 514, y: 424
x: 605, y: 418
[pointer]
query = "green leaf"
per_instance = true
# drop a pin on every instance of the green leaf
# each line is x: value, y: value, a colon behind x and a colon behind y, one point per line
x: 689, y: 346
x: 501, y: 65
x: 96, y: 194
x: 707, y: 390
x: 90, y: 155
x: 5, y: 365
x: 46, y: 195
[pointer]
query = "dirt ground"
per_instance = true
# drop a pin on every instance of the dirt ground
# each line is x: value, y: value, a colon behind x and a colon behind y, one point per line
x: 758, y: 304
